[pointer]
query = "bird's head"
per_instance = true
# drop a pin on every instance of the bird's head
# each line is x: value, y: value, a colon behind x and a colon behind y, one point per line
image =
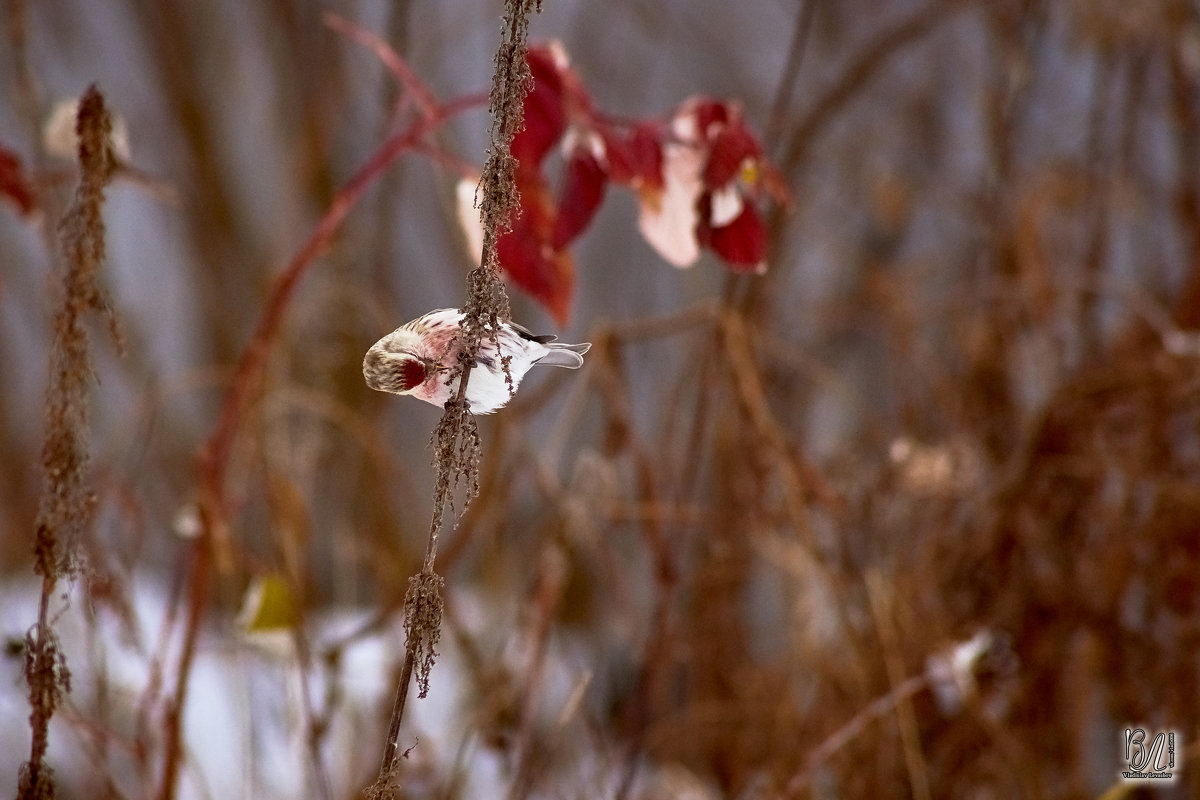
x: 397, y: 372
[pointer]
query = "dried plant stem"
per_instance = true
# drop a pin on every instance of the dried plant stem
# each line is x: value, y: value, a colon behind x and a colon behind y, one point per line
x: 876, y: 709
x: 198, y: 579
x: 879, y: 595
x: 455, y: 442
x: 551, y: 581
x: 66, y: 503
x: 791, y: 72
x: 25, y: 87
x: 752, y: 396
x: 660, y: 634
x: 873, y: 56
x: 392, y: 746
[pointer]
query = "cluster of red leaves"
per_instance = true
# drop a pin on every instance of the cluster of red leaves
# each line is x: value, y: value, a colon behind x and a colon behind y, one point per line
x: 699, y: 176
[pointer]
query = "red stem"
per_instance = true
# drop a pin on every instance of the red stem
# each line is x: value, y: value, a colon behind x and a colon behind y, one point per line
x: 390, y: 59
x: 213, y: 458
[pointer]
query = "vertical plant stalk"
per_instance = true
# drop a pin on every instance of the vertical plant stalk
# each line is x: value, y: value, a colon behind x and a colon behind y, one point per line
x: 455, y: 441
x: 66, y: 503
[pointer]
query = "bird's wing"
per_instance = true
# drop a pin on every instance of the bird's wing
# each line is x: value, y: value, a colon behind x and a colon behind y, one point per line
x: 525, y: 333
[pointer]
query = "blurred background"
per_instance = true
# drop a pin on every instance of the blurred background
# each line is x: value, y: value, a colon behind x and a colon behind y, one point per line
x: 915, y: 513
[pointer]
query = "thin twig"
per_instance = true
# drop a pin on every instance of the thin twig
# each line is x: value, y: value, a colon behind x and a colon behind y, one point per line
x: 659, y: 636
x: 876, y: 709
x: 791, y: 73
x: 879, y: 597
x: 551, y: 580
x: 404, y: 74
x: 873, y: 56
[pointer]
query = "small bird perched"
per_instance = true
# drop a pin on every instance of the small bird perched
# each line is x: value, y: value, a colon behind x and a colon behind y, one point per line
x: 417, y: 359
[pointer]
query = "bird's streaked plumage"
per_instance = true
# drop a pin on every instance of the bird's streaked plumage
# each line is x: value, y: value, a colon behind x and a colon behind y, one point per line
x: 417, y: 359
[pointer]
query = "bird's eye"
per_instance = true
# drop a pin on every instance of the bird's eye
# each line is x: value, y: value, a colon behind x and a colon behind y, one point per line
x: 412, y: 374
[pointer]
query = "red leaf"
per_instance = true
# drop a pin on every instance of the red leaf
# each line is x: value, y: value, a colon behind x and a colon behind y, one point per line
x: 545, y: 110
x: 731, y: 146
x: 635, y: 159
x: 536, y: 268
x: 669, y: 219
x: 526, y: 255
x: 584, y: 182
x: 705, y: 113
x: 13, y: 183
x: 742, y: 244
x: 535, y: 219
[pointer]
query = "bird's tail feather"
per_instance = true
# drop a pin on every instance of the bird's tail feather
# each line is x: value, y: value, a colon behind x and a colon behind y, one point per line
x: 565, y: 355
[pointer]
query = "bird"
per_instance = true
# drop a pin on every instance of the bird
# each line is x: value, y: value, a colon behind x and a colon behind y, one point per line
x: 417, y: 359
